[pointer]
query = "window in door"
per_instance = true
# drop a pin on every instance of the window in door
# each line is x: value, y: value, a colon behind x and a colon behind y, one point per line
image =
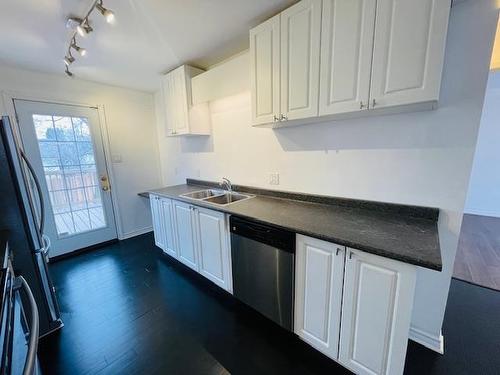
x: 70, y: 170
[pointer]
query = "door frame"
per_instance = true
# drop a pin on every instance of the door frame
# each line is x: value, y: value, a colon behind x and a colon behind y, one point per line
x: 9, y: 96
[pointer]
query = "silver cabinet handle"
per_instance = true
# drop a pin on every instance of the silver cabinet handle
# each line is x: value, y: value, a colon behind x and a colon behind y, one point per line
x: 283, y: 117
x: 29, y: 365
x: 276, y: 118
x: 361, y: 105
x: 374, y: 103
x: 351, y: 254
x: 338, y: 251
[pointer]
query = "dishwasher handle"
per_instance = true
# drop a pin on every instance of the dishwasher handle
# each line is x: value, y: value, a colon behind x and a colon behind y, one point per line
x: 266, y: 234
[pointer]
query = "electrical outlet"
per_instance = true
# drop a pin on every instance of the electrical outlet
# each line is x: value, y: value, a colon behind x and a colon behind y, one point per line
x: 274, y: 178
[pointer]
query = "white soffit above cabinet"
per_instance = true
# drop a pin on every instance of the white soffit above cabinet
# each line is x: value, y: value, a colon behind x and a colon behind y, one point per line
x: 149, y: 38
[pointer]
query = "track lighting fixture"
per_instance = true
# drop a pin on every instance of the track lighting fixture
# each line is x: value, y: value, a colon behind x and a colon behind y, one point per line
x: 108, y: 14
x: 69, y: 59
x: 81, y: 27
x: 80, y: 50
x: 84, y: 28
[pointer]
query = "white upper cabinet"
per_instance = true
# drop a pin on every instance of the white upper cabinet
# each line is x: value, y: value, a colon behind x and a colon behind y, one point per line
x: 265, y: 71
x: 181, y: 116
x: 319, y: 268
x: 346, y: 55
x: 410, y: 38
x: 300, y: 54
x: 339, y: 57
x: 376, y: 314
x: 213, y: 247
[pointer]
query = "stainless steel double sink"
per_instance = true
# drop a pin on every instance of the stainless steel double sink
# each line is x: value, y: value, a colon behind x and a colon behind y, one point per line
x: 216, y: 196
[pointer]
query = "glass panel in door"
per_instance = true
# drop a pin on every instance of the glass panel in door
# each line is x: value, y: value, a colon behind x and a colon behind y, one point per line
x: 70, y: 172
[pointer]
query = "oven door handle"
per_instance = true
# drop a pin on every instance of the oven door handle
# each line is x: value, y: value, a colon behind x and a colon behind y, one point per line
x: 29, y: 365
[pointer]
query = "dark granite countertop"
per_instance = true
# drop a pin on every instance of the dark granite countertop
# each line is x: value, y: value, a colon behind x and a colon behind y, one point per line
x: 392, y: 234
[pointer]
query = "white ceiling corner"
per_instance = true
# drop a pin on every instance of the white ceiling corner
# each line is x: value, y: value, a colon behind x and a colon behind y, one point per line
x: 149, y: 38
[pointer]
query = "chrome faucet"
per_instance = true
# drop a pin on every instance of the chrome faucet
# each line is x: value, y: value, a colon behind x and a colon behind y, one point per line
x: 226, y: 184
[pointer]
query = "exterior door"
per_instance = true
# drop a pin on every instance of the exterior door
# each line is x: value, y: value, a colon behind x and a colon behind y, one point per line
x: 213, y: 244
x: 410, y: 38
x: 318, y: 300
x: 185, y: 230
x: 346, y: 55
x: 300, y: 47
x: 265, y: 71
x: 65, y: 146
x: 376, y: 313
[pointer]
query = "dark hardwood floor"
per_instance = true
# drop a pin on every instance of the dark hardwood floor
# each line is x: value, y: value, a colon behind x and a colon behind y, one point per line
x: 129, y: 309
x: 478, y: 254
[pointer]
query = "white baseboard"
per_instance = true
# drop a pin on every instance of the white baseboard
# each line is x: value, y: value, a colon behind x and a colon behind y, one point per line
x: 481, y: 212
x: 432, y: 342
x: 134, y: 233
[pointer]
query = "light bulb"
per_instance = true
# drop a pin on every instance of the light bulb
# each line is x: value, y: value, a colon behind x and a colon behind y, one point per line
x: 82, y: 51
x: 68, y: 60
x: 81, y: 31
x: 109, y: 16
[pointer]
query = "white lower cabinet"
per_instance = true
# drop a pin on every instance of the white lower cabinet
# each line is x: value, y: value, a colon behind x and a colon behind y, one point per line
x: 353, y: 306
x: 196, y: 236
x: 319, y: 273
x: 376, y: 313
x: 154, y: 201
x: 185, y: 234
x: 214, y: 258
x: 168, y: 229
x: 163, y: 225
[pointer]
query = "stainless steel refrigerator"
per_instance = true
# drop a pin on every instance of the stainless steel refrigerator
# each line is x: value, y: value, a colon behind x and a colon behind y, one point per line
x: 22, y: 212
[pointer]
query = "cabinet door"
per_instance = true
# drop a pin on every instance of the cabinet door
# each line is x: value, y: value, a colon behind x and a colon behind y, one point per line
x: 213, y: 247
x: 157, y: 221
x: 346, y: 55
x: 408, y: 55
x: 169, y: 104
x: 319, y: 271
x: 185, y: 234
x: 300, y: 48
x: 181, y: 100
x: 264, y: 71
x: 175, y: 101
x: 376, y: 313
x: 169, y: 245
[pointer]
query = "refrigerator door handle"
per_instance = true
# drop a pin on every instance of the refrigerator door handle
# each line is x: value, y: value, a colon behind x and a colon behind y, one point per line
x: 29, y: 365
x: 39, y: 191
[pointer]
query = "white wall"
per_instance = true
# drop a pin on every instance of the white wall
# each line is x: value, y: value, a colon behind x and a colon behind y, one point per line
x: 484, y: 188
x: 131, y: 128
x: 416, y: 158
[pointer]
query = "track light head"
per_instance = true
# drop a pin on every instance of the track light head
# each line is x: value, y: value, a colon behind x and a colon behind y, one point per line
x: 69, y: 59
x: 68, y: 73
x: 108, y: 14
x: 80, y: 50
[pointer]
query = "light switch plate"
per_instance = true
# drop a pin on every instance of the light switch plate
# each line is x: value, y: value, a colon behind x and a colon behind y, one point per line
x: 116, y: 158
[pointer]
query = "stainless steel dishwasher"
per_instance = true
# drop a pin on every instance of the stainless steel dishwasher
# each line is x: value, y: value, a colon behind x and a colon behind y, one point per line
x: 263, y: 259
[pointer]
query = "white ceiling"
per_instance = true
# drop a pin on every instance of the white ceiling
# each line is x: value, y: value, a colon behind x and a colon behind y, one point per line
x: 149, y: 38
